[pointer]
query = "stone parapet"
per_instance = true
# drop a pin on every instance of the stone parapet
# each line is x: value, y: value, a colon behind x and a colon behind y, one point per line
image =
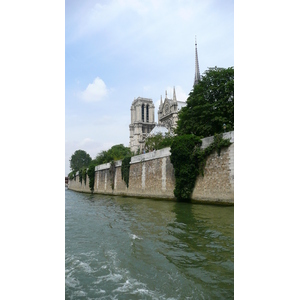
x: 152, y: 176
x: 151, y: 155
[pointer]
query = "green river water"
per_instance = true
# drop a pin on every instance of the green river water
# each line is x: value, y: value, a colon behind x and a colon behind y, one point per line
x: 128, y: 248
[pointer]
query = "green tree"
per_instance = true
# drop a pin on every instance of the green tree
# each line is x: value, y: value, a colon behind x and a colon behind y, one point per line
x: 158, y: 141
x: 119, y: 152
x: 209, y: 105
x: 116, y: 152
x: 80, y: 159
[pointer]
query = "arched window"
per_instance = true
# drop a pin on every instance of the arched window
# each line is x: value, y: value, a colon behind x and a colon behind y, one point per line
x: 143, y: 118
x: 147, y: 113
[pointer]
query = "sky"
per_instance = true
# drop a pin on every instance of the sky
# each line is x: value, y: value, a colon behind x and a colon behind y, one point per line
x: 116, y: 51
x: 51, y: 54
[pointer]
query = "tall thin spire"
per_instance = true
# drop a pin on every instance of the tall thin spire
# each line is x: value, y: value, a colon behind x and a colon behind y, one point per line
x: 174, y: 95
x: 197, y: 71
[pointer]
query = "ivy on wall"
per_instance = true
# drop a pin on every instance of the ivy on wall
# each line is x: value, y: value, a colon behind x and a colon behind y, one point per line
x: 125, y: 169
x: 91, y: 174
x: 80, y: 176
x: 72, y: 175
x: 84, y: 174
x: 189, y: 161
x: 112, y: 172
x: 185, y: 164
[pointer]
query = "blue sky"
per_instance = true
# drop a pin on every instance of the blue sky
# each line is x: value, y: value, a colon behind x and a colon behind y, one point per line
x: 118, y: 50
x: 50, y: 53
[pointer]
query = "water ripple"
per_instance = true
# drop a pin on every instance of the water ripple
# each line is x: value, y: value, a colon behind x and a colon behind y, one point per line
x: 126, y: 248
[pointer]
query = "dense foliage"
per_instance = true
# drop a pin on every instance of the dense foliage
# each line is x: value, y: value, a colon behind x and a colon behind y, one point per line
x: 112, y: 173
x: 82, y: 162
x: 210, y: 105
x: 80, y: 159
x: 116, y: 152
x: 185, y: 164
x: 125, y: 168
x: 189, y: 160
x: 91, y: 174
x: 158, y: 141
x: 72, y: 175
x: 84, y: 173
x: 80, y: 175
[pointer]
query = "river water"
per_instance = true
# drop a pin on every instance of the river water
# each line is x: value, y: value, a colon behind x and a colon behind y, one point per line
x: 128, y: 248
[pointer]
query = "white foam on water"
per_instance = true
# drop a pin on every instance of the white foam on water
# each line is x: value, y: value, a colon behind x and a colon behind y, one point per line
x: 114, y: 277
x: 85, y: 267
x: 143, y: 292
x: 109, y: 277
x: 71, y: 282
x: 133, y: 286
x: 80, y: 293
x: 134, y: 237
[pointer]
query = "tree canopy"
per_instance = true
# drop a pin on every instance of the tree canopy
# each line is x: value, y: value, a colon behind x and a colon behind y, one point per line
x: 210, y: 105
x: 80, y: 159
x: 116, y: 152
x: 158, y: 141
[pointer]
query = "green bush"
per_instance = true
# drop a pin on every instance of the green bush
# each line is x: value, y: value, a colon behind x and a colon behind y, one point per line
x: 84, y: 174
x: 185, y: 163
x: 112, y: 172
x: 91, y: 174
x: 189, y: 161
x: 80, y: 176
x: 125, y: 168
x: 72, y: 175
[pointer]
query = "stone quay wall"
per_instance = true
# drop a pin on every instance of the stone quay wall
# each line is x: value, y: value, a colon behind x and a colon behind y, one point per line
x: 152, y: 176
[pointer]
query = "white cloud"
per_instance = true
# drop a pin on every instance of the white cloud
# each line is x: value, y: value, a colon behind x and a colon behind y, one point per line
x: 96, y: 91
x: 140, y: 18
x: 86, y: 141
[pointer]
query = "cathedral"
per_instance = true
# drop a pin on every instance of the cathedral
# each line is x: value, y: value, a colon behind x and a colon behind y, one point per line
x: 142, y: 115
x: 142, y: 122
x: 168, y: 111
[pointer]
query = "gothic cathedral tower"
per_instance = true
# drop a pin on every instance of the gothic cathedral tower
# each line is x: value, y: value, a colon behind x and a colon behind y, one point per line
x: 142, y: 122
x: 142, y: 114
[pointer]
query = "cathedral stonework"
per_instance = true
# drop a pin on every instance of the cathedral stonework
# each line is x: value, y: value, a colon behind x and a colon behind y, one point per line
x: 142, y: 115
x: 142, y: 119
x: 168, y: 111
x: 142, y: 122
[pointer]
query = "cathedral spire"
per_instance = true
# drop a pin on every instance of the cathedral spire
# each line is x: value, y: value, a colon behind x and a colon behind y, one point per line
x: 174, y: 95
x: 197, y: 72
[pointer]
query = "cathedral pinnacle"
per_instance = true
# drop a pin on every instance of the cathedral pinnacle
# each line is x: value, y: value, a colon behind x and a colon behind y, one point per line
x: 174, y: 95
x: 197, y: 71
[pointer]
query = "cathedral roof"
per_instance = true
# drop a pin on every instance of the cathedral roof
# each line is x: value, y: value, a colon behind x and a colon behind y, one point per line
x: 159, y: 129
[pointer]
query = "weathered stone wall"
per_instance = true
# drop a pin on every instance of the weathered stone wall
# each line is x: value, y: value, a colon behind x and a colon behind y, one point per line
x: 77, y: 186
x: 152, y: 175
x: 217, y: 183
